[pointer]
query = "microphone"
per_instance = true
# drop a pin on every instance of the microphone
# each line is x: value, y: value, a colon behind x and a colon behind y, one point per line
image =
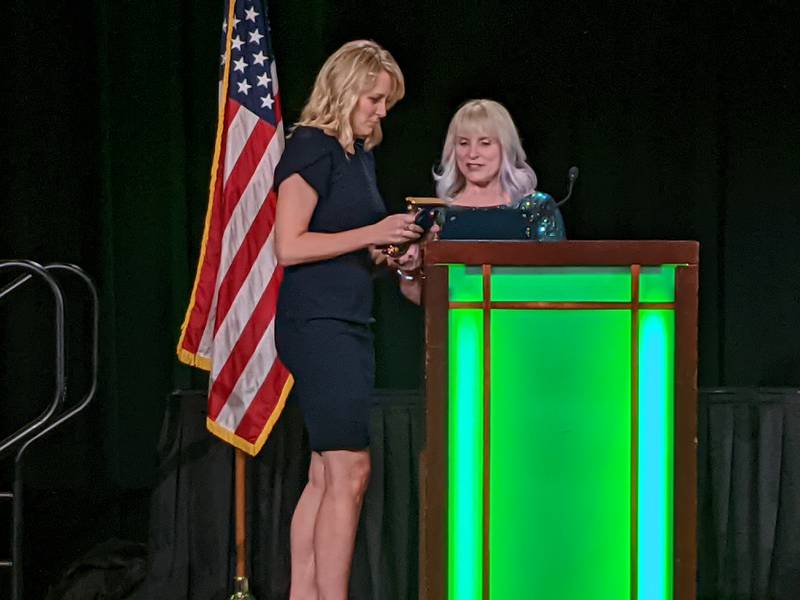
x: 572, y: 175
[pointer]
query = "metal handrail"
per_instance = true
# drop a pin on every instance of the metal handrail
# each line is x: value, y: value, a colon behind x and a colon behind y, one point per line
x: 57, y: 402
x: 34, y: 436
x: 16, y: 556
x: 87, y: 398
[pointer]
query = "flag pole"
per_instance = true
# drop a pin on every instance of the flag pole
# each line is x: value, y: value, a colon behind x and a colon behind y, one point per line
x: 240, y: 583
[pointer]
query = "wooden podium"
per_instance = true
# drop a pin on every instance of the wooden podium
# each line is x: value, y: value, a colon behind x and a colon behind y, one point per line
x: 561, y: 421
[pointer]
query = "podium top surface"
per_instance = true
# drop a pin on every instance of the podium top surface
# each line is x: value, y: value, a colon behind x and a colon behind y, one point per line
x: 561, y: 254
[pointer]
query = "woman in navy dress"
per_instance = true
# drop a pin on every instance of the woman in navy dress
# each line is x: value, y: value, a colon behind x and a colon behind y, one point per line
x: 489, y: 188
x: 330, y: 220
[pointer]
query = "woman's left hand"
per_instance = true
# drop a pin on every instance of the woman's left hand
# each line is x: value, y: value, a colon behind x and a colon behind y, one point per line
x: 409, y: 261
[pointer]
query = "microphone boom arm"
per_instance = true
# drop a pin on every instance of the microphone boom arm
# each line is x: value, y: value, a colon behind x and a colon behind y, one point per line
x: 572, y: 175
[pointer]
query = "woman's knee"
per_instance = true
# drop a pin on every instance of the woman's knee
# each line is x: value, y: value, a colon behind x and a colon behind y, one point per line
x: 360, y: 473
x: 347, y: 471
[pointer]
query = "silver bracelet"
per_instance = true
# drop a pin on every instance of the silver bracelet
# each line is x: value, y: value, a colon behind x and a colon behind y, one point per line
x: 404, y: 275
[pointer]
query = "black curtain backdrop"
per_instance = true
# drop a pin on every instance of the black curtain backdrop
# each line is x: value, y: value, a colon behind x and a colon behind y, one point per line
x: 682, y: 118
x: 749, y: 494
x: 748, y: 501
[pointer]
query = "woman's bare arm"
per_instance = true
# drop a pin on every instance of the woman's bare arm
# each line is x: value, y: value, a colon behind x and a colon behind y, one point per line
x: 294, y: 244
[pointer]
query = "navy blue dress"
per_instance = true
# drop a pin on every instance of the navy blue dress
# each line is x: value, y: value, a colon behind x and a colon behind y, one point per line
x: 325, y: 307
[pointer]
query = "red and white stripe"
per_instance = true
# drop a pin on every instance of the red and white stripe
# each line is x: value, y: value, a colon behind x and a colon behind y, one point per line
x: 230, y: 325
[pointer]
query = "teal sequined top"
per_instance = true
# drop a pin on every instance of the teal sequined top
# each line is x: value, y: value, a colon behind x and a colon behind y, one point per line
x: 535, y: 217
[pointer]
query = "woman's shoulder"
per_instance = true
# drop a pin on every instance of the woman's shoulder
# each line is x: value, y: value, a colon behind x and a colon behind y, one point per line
x: 535, y: 198
x: 543, y: 213
x: 311, y: 138
x: 307, y: 145
x: 309, y: 151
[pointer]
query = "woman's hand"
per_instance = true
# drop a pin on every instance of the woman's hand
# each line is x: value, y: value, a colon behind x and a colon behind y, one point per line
x: 409, y: 261
x: 408, y: 268
x: 395, y: 229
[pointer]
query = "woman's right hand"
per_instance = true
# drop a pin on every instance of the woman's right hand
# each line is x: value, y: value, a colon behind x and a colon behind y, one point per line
x: 395, y: 229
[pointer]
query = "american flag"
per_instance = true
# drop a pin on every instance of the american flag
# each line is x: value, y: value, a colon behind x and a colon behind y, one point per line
x: 229, y: 325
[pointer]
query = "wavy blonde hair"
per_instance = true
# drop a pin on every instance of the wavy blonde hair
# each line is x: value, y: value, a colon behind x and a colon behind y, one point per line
x: 491, y: 119
x: 348, y: 73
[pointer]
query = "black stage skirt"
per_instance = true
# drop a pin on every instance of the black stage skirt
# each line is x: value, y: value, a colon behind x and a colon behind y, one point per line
x: 333, y: 364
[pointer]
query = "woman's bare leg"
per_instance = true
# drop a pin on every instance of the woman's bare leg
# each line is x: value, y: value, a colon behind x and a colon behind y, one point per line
x: 346, y: 478
x: 304, y: 586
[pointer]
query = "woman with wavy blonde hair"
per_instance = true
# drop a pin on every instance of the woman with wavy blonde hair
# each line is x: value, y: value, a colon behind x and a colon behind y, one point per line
x: 339, y: 83
x: 330, y: 217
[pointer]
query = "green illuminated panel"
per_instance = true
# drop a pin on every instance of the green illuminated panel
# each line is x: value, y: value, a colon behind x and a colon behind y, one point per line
x: 657, y: 284
x: 656, y: 405
x: 466, y: 283
x: 560, y: 454
x: 560, y: 496
x: 465, y: 451
x: 561, y: 284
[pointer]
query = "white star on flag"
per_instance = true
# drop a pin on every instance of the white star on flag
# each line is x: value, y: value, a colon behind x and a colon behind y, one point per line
x: 237, y: 43
x: 255, y: 37
x: 244, y: 87
x: 251, y: 14
x: 240, y: 64
x: 258, y: 59
x: 264, y: 80
x: 267, y: 102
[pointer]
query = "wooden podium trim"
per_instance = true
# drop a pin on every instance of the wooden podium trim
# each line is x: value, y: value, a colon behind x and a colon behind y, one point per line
x: 433, y: 521
x: 553, y: 254
x: 487, y: 424
x: 514, y: 305
x: 684, y: 503
x: 634, y: 312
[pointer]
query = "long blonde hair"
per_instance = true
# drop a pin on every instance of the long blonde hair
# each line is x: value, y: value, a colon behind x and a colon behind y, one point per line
x: 488, y: 118
x: 348, y: 73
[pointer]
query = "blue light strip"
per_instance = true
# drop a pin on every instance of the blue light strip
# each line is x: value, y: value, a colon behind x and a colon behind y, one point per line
x: 655, y: 473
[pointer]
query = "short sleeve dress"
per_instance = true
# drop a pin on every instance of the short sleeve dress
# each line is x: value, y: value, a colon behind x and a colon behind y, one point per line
x: 325, y: 307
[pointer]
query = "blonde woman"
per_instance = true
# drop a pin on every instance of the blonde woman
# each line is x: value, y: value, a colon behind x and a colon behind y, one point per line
x: 487, y: 182
x: 330, y: 218
x: 489, y: 187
